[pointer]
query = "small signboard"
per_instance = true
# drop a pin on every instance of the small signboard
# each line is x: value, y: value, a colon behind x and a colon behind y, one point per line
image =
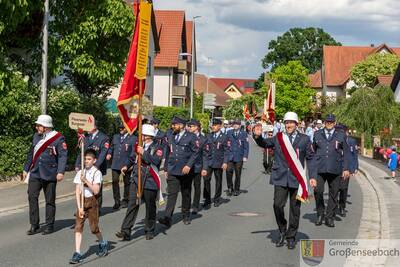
x: 81, y: 121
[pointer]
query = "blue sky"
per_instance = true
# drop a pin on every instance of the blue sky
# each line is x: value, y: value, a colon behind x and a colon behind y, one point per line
x: 233, y: 35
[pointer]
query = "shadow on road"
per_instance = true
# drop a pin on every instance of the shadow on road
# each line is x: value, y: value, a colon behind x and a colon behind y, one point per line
x: 274, y: 235
x: 61, y: 224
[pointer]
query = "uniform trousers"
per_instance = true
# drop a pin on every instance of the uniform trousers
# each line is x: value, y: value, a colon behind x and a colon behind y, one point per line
x: 115, y: 185
x: 237, y: 168
x: 343, y: 189
x: 281, y: 194
x: 268, y: 160
x: 218, y: 184
x: 197, y: 190
x: 150, y: 198
x: 49, y: 189
x: 333, y: 182
x: 176, y: 183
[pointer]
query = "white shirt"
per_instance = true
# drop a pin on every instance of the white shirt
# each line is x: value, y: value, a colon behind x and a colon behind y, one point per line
x: 93, y: 175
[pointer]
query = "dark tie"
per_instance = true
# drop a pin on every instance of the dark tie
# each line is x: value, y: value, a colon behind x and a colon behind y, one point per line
x: 122, y: 139
x: 329, y: 135
x: 291, y: 137
x: 176, y: 138
x: 236, y: 134
x: 215, y: 136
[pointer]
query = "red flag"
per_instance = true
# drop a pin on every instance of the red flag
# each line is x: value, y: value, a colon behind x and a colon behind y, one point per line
x: 246, y: 113
x: 269, y: 105
x: 254, y: 110
x: 129, y: 91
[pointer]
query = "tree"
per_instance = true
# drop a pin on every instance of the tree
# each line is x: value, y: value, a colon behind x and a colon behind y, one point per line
x: 365, y: 72
x: 303, y: 44
x: 260, y: 82
x: 90, y: 42
x: 292, y: 89
x: 234, y: 109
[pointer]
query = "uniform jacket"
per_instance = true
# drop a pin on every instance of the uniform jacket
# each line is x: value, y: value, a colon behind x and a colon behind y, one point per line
x: 217, y: 150
x: 281, y: 174
x: 201, y: 161
x: 331, y: 156
x: 181, y: 153
x: 120, y: 151
x: 353, y: 165
x: 52, y: 161
x: 100, y: 144
x: 237, y: 146
x: 151, y: 157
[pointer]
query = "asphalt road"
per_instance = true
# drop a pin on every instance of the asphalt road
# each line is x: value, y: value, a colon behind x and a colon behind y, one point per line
x: 215, y: 238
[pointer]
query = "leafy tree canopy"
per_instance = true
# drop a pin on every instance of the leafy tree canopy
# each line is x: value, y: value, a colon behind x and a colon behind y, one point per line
x: 303, y: 44
x: 365, y: 72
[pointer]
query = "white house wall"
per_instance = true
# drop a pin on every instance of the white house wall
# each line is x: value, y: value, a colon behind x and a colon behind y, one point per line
x: 334, y: 92
x: 397, y: 93
x: 163, y: 79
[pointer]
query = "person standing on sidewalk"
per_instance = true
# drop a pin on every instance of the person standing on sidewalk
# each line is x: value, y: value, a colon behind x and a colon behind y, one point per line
x: 237, y: 144
x: 333, y: 164
x: 217, y: 163
x: 121, y: 146
x: 45, y: 166
x: 200, y: 166
x: 182, y: 152
x: 353, y: 168
x: 99, y: 142
x: 288, y: 176
x: 393, y: 161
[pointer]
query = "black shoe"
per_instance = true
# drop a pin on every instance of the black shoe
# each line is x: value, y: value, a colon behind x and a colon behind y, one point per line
x: 116, y: 206
x: 342, y: 212
x: 281, y: 241
x: 195, y: 211
x: 207, y: 205
x: 48, y: 230
x: 76, y: 258
x: 123, y: 236
x: 34, y: 230
x: 165, y: 221
x: 291, y: 243
x: 186, y: 220
x: 217, y: 203
x: 329, y: 222
x: 320, y: 219
x: 229, y: 192
x: 124, y: 204
x: 236, y: 193
x: 149, y: 236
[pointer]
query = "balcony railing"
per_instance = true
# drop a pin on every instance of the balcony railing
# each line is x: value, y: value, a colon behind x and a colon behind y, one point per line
x: 179, y: 90
x: 184, y: 65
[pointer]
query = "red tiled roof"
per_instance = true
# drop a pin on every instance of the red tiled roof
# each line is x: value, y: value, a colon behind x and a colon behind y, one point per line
x: 385, y: 80
x: 200, y: 86
x: 241, y: 84
x: 170, y: 29
x: 315, y: 79
x: 339, y: 60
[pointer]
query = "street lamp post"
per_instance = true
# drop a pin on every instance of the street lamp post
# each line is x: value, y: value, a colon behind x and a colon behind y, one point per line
x: 193, y: 67
x: 43, y: 98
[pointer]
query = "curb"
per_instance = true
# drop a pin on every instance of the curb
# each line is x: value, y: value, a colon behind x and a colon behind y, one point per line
x: 64, y: 197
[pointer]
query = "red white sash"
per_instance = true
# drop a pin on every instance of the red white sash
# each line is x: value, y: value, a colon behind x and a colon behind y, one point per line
x: 156, y: 177
x: 40, y: 147
x: 295, y: 166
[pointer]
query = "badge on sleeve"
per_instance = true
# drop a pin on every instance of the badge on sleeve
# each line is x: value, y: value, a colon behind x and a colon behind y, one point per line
x: 64, y: 146
x: 107, y: 145
x: 159, y: 152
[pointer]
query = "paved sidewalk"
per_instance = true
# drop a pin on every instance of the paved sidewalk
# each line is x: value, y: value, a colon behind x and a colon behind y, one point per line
x: 15, y: 197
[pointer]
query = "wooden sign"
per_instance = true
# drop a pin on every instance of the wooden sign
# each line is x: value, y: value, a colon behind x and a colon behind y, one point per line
x: 81, y: 121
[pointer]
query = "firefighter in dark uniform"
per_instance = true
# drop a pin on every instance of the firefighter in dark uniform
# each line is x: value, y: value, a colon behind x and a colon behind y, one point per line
x: 353, y: 168
x: 152, y: 154
x: 217, y: 162
x: 282, y: 177
x: 268, y: 153
x: 182, y: 151
x: 99, y: 142
x: 332, y: 162
x: 200, y: 166
x: 160, y: 135
x: 237, y: 144
x: 46, y: 162
x: 121, y: 147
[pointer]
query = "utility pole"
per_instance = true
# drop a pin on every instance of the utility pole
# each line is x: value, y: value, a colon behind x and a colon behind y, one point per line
x: 193, y: 68
x: 43, y: 98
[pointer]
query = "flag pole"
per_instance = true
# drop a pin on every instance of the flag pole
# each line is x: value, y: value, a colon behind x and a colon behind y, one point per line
x: 82, y: 172
x: 140, y: 143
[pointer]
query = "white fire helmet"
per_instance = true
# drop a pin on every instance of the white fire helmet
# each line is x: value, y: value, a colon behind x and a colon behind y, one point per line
x: 45, y: 121
x: 148, y: 129
x: 291, y: 116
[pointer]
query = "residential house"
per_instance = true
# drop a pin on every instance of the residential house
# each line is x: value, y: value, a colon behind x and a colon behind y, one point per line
x: 235, y: 88
x: 333, y: 79
x: 173, y: 71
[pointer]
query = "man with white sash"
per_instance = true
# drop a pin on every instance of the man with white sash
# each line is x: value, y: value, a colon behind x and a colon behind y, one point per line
x: 45, y: 166
x: 288, y: 176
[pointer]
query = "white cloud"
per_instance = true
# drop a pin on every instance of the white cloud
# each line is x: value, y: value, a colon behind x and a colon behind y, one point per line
x: 235, y: 33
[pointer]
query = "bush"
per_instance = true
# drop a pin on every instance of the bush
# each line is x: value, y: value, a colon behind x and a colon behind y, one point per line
x: 13, y: 151
x: 165, y: 115
x: 204, y: 119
